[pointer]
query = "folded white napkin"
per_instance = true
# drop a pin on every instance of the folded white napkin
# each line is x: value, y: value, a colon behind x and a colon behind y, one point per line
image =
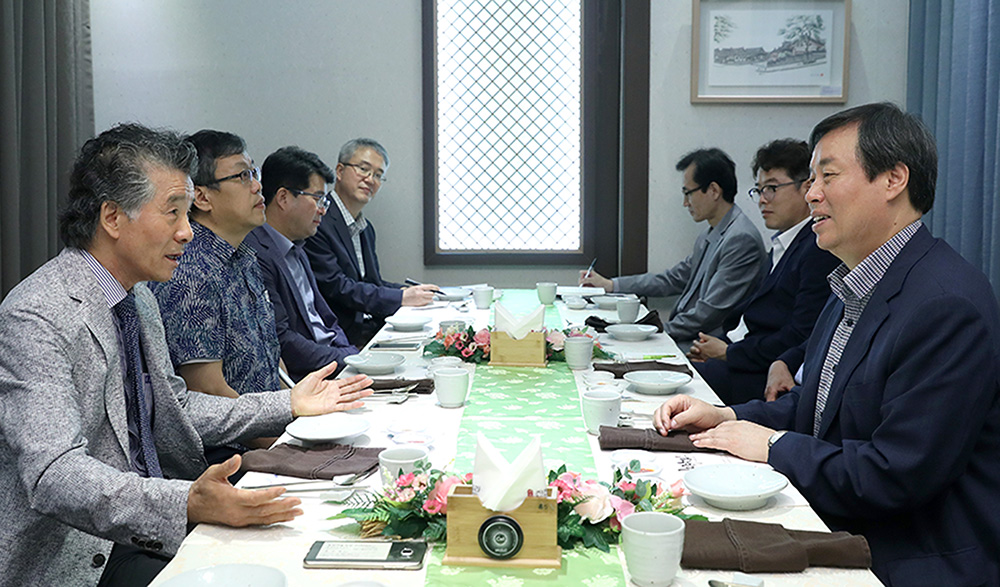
x: 517, y: 328
x: 503, y: 486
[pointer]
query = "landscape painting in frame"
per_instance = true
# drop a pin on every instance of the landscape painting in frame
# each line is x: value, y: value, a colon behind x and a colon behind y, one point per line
x: 770, y: 47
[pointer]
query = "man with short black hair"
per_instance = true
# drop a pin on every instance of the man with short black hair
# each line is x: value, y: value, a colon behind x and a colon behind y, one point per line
x: 727, y: 260
x: 779, y: 314
x: 101, y: 465
x: 895, y: 431
x: 294, y: 188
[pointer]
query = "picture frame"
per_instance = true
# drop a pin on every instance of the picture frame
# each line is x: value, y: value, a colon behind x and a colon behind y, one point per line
x: 777, y: 51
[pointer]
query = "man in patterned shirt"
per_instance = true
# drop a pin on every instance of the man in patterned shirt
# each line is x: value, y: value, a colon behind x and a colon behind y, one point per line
x: 895, y: 431
x: 216, y: 311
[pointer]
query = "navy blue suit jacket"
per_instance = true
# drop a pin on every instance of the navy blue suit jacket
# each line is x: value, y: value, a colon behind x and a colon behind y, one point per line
x: 779, y: 315
x: 299, y: 349
x: 908, y: 452
x: 335, y: 265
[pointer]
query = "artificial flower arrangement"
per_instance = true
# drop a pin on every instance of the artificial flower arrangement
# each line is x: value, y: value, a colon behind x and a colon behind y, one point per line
x: 474, y: 347
x: 588, y: 512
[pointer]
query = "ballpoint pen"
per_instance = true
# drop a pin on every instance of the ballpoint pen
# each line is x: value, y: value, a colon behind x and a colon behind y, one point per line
x: 590, y: 269
x: 409, y: 281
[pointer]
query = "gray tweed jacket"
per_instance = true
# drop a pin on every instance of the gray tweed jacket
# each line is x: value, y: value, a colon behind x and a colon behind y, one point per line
x: 66, y: 487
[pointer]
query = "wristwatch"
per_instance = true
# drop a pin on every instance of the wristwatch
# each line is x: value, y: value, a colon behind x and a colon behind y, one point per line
x: 774, y: 438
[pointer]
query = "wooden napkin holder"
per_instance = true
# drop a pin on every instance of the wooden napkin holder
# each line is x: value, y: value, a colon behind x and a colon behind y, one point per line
x: 537, y: 517
x: 526, y: 352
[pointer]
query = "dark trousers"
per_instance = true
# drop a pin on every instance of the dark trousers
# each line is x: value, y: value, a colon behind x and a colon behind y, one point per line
x: 731, y: 385
x: 129, y: 566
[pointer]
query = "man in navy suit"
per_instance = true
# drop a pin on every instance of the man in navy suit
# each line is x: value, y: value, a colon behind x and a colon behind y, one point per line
x: 895, y: 431
x: 342, y: 253
x: 294, y: 188
x: 781, y: 313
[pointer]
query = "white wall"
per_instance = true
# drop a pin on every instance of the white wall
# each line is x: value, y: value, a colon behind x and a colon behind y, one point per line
x: 319, y: 72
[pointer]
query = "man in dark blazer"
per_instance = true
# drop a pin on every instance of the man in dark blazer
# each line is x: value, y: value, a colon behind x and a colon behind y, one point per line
x: 294, y: 188
x: 895, y: 430
x: 343, y: 255
x: 781, y: 313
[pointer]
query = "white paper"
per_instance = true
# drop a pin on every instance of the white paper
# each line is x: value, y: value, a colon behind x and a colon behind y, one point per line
x: 503, y: 486
x: 517, y: 328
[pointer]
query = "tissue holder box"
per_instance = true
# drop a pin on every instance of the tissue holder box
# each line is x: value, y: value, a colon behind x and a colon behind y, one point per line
x: 508, y: 352
x: 537, y: 516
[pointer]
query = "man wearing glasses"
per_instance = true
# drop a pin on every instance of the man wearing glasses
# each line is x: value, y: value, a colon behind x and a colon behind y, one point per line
x: 216, y: 311
x: 343, y: 254
x: 725, y: 264
x: 781, y: 313
x: 294, y: 188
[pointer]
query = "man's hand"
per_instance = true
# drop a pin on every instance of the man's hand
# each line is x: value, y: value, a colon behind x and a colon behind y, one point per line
x: 707, y: 347
x: 741, y: 438
x: 779, y: 381
x: 214, y: 500
x: 683, y: 412
x: 597, y: 280
x: 419, y: 295
x: 316, y: 394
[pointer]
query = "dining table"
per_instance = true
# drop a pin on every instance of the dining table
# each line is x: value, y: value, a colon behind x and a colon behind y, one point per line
x: 510, y: 406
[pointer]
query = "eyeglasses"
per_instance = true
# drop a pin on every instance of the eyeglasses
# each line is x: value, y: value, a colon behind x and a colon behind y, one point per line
x: 767, y: 192
x: 687, y: 193
x: 365, y: 171
x: 323, y: 201
x: 244, y: 176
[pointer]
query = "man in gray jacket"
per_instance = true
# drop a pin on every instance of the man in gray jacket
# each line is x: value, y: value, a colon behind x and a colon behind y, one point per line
x: 101, y: 465
x: 725, y: 265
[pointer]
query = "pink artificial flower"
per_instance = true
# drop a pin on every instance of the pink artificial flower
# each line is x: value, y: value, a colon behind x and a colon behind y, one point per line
x: 623, y: 509
x: 432, y: 506
x: 596, y: 506
x: 677, y: 488
x: 437, y: 500
x: 405, y: 480
x: 567, y: 485
x: 467, y: 351
x: 449, y: 339
x: 482, y: 337
x: 556, y: 338
x: 626, y: 485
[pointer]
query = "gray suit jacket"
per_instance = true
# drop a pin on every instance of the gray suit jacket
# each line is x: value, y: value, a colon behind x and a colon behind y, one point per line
x: 725, y: 266
x: 67, y: 490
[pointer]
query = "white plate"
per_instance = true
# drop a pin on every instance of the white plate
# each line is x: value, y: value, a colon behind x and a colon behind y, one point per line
x: 453, y: 294
x: 375, y: 363
x: 575, y: 303
x: 408, y: 323
x: 734, y: 486
x: 236, y: 575
x: 631, y: 332
x: 327, y: 428
x: 657, y: 382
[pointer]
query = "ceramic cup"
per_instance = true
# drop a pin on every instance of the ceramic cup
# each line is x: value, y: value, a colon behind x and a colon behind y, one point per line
x: 628, y: 310
x: 483, y: 296
x: 595, y: 377
x: 546, y: 292
x: 451, y: 385
x: 438, y: 363
x: 600, y: 408
x: 394, y: 462
x: 579, y: 350
x: 653, y: 543
x: 453, y: 325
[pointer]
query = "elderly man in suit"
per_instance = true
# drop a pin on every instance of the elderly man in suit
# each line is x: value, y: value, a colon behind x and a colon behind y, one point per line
x: 343, y: 254
x: 779, y: 314
x: 727, y: 260
x: 101, y: 465
x: 294, y: 188
x: 895, y: 430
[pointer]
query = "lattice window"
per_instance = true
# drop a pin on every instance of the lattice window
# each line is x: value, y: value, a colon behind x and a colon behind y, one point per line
x: 508, y: 128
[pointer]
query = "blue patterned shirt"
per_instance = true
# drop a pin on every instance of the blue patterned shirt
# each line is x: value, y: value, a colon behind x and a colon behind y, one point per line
x: 216, y: 308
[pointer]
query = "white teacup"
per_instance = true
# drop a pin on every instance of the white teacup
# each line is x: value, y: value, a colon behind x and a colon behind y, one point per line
x: 600, y: 408
x: 546, y: 292
x: 628, y: 310
x: 653, y: 543
x: 595, y: 377
x: 394, y: 462
x: 579, y: 350
x: 451, y: 385
x: 483, y: 296
x: 438, y: 363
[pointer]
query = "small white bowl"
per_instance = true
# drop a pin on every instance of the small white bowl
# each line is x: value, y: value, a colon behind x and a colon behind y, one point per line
x: 453, y: 294
x: 606, y: 302
x: 575, y: 303
x: 734, y: 486
x: 631, y: 332
x: 408, y: 323
x: 595, y: 377
x: 657, y: 382
x: 375, y: 363
x: 459, y: 325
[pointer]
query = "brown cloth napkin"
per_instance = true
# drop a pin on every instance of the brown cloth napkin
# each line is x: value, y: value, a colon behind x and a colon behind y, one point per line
x: 600, y: 324
x: 754, y: 547
x: 620, y: 369
x: 320, y: 461
x: 612, y: 438
x: 423, y: 385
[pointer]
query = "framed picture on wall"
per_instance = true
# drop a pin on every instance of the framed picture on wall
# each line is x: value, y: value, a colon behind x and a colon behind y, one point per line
x: 770, y: 50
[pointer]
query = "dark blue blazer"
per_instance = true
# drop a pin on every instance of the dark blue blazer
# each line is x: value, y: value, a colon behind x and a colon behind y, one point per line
x: 780, y: 314
x: 908, y: 452
x: 299, y: 349
x: 335, y: 265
